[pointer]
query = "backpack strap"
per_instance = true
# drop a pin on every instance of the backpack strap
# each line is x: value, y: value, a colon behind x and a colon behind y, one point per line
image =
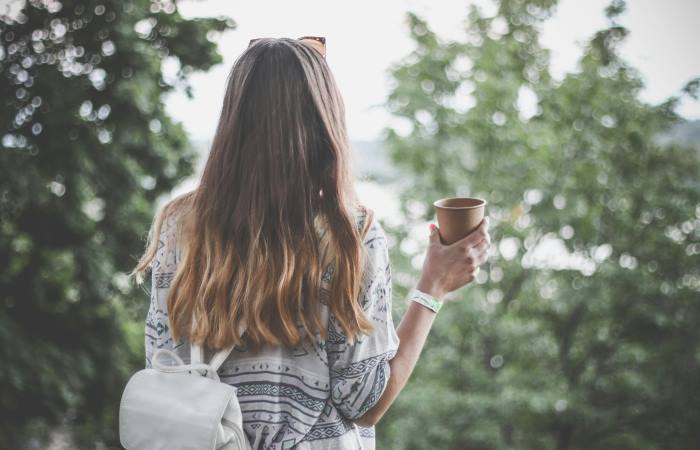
x: 197, y: 352
x: 180, y: 366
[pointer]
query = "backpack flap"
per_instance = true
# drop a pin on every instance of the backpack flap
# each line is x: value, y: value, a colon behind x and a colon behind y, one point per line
x: 183, y: 411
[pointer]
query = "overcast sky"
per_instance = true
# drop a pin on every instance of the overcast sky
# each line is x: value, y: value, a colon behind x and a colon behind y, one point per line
x: 365, y: 37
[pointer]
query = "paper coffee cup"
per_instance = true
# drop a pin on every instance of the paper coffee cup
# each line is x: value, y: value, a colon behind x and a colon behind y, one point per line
x: 458, y: 216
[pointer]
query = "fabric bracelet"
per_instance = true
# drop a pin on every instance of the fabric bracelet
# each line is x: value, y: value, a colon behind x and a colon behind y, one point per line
x: 424, y: 299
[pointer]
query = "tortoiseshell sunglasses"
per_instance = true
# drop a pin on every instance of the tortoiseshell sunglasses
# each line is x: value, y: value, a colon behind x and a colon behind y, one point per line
x: 317, y: 42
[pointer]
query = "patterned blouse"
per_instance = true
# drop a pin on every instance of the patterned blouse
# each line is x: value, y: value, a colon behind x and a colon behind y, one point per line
x: 303, y: 397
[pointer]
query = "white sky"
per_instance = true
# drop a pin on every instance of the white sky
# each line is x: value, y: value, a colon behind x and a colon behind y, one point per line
x: 364, y: 38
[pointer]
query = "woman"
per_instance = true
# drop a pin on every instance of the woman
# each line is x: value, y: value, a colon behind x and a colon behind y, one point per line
x: 274, y: 238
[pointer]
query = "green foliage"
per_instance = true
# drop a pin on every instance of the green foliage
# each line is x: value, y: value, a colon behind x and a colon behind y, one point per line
x: 87, y: 148
x: 581, y: 331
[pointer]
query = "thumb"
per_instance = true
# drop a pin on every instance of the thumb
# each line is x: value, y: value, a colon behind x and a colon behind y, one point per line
x: 434, y: 235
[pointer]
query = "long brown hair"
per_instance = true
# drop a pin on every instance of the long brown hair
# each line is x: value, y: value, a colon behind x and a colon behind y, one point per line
x: 277, y: 173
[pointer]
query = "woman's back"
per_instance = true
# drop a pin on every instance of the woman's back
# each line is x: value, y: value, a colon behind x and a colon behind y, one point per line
x: 302, y: 397
x: 279, y: 166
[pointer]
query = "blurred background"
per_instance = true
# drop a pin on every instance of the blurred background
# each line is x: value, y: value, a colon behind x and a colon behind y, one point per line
x: 579, y: 122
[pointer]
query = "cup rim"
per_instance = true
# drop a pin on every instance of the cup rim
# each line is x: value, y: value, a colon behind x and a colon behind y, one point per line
x: 483, y: 203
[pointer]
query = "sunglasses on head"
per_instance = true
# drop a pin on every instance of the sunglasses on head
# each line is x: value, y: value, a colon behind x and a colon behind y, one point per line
x: 317, y: 42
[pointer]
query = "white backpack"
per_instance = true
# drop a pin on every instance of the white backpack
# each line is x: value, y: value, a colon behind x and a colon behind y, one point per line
x: 181, y: 406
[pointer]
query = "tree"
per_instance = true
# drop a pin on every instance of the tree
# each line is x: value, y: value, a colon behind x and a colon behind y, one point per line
x: 87, y: 148
x: 581, y: 332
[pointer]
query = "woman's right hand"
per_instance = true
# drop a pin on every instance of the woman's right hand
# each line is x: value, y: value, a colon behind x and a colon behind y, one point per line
x: 449, y: 267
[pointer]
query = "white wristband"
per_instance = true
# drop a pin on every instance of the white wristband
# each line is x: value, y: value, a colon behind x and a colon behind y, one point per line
x: 424, y: 299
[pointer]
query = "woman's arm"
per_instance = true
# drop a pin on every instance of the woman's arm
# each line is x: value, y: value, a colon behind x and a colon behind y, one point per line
x: 412, y: 331
x: 445, y: 269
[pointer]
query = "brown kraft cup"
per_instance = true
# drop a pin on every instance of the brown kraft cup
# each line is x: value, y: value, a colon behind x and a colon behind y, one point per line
x: 458, y: 216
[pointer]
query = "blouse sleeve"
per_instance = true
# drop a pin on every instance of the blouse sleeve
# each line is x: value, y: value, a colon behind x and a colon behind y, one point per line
x: 359, y: 373
x: 163, y: 269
